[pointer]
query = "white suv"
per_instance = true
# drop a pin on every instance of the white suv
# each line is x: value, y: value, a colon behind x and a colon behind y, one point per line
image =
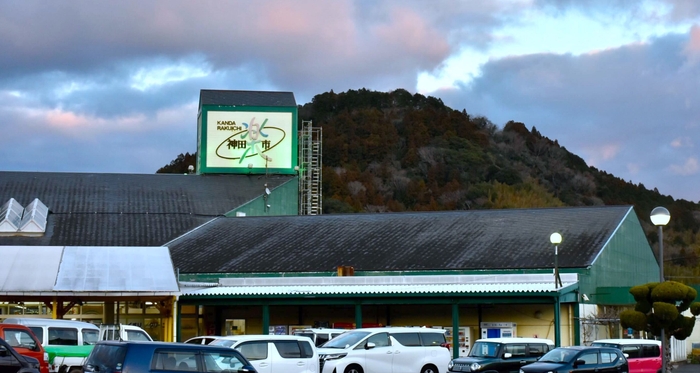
x: 274, y: 353
x: 388, y: 349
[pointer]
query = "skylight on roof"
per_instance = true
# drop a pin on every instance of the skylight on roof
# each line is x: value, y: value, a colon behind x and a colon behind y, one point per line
x: 34, y: 217
x: 18, y: 220
x: 10, y: 216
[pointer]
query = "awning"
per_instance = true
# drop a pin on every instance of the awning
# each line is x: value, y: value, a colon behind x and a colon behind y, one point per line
x: 86, y: 271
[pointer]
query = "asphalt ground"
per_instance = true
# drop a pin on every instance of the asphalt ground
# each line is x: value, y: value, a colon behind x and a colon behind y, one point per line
x: 686, y: 368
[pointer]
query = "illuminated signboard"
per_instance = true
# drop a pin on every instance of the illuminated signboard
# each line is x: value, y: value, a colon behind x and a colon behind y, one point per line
x: 248, y: 141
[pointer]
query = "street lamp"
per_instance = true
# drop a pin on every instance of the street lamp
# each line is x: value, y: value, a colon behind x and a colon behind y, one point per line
x: 660, y: 217
x: 555, y: 239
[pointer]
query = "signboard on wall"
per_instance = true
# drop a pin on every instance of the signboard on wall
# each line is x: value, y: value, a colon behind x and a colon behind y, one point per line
x: 248, y: 141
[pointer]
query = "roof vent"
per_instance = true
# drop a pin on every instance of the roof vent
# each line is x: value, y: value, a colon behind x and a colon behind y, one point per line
x: 10, y: 216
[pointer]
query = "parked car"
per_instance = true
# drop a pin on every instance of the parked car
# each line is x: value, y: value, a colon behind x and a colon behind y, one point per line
x: 142, y: 357
x: 643, y: 355
x: 13, y: 362
x: 575, y: 359
x: 203, y: 340
x: 23, y: 340
x: 319, y: 335
x: 274, y: 353
x: 501, y: 355
x: 386, y: 349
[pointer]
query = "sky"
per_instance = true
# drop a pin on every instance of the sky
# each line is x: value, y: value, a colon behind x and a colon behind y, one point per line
x: 113, y: 86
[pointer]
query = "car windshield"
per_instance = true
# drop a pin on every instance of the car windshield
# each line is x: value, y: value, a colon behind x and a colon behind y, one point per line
x: 484, y: 349
x: 90, y: 336
x: 345, y: 340
x: 223, y: 342
x: 559, y: 355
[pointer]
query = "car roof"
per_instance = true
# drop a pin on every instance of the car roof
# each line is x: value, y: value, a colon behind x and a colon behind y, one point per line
x: 157, y: 344
x: 629, y: 341
x: 400, y: 329
x: 581, y: 348
x: 320, y: 330
x: 31, y: 321
x: 517, y: 340
x: 266, y: 337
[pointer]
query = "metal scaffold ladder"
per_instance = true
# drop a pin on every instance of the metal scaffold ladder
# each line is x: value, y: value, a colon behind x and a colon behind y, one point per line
x: 310, y: 169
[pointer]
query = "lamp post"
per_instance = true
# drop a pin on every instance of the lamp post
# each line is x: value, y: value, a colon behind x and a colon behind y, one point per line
x: 555, y: 239
x: 660, y: 217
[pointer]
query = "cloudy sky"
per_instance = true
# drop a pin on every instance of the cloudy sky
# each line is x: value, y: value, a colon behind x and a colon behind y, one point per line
x: 98, y: 86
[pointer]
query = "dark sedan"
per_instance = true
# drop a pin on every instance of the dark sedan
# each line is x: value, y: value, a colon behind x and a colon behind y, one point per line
x: 580, y: 359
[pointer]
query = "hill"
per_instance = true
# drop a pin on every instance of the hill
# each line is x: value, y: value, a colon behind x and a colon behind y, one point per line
x: 397, y: 151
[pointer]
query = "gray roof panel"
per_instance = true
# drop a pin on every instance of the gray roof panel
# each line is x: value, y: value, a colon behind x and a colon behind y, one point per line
x: 415, y: 241
x: 87, y: 209
x: 246, y: 98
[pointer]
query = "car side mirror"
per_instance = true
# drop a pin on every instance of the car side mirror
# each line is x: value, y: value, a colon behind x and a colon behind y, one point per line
x: 507, y: 355
x: 626, y: 355
x: 579, y: 362
x: 3, y: 351
x: 370, y: 345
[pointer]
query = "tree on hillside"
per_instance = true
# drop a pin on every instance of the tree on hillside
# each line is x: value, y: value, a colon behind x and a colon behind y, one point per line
x: 660, y: 307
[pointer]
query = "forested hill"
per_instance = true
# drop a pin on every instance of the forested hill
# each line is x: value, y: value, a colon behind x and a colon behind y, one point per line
x: 397, y: 151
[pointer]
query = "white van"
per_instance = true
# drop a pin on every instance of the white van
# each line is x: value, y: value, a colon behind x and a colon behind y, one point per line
x: 67, y: 342
x: 274, y: 353
x: 319, y: 335
x: 387, y: 349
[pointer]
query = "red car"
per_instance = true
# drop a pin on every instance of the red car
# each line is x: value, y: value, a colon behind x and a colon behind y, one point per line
x: 23, y: 340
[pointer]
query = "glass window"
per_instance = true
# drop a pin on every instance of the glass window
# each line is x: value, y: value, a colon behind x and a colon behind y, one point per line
x: 484, y: 349
x: 517, y: 350
x: 407, y: 339
x: 185, y: 361
x: 432, y: 339
x: 607, y: 357
x: 537, y: 349
x: 253, y: 350
x: 63, y: 336
x: 589, y: 357
x: 38, y: 332
x: 90, y: 336
x: 306, y: 349
x: 346, y: 340
x: 632, y: 352
x: 106, y: 358
x: 288, y: 349
x: 20, y: 338
x: 321, y: 338
x: 651, y: 351
x: 219, y: 361
x: 136, y: 335
x: 380, y: 340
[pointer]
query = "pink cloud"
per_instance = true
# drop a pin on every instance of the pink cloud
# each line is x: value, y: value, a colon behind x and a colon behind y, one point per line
x: 690, y: 167
x: 408, y: 29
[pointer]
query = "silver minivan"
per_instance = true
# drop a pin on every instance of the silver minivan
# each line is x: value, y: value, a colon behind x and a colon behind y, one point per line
x: 274, y: 353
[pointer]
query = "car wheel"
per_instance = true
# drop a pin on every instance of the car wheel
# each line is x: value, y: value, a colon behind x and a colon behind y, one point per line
x: 354, y: 369
x: 429, y: 369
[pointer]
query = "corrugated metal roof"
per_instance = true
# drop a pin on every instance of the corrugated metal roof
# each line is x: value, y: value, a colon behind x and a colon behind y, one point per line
x: 511, y: 239
x: 59, y: 270
x: 295, y: 286
x: 92, y: 209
